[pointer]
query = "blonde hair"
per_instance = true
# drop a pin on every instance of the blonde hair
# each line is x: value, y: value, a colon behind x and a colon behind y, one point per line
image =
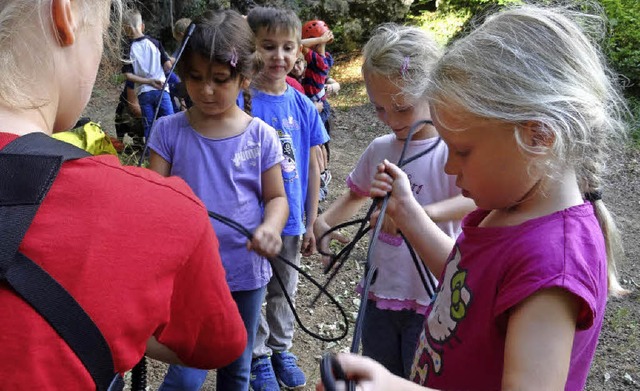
x: 132, y: 18
x: 535, y: 64
x: 404, y: 54
x: 181, y: 25
x: 24, y: 32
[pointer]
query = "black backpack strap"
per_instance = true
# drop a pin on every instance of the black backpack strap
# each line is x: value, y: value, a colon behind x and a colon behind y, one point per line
x: 28, y: 167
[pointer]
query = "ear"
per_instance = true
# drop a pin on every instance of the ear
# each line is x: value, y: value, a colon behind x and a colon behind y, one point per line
x: 536, y: 136
x: 64, y: 21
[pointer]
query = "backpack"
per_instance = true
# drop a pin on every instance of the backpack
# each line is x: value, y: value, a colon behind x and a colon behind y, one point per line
x: 28, y: 168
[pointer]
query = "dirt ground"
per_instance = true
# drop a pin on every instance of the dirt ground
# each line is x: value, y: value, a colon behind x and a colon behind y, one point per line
x: 617, y: 362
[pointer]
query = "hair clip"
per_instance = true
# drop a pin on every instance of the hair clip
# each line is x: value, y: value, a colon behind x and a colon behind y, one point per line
x: 405, y: 66
x: 234, y: 58
x: 593, y: 196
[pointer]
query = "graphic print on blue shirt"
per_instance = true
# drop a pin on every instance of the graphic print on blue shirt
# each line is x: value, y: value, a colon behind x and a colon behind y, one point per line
x: 289, y: 170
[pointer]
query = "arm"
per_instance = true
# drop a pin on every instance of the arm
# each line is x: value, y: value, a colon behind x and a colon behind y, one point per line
x: 158, y: 351
x: 266, y: 238
x: 158, y: 164
x: 157, y: 84
x: 451, y: 209
x: 311, y: 203
x: 342, y: 209
x: 167, y: 65
x: 429, y: 241
x: 133, y: 103
x: 539, y: 339
x: 324, y: 38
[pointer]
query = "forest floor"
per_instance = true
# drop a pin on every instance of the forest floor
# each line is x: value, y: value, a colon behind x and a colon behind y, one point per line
x: 617, y: 362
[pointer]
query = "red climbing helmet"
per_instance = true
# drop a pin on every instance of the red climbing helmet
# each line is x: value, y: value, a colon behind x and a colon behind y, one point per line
x: 314, y: 29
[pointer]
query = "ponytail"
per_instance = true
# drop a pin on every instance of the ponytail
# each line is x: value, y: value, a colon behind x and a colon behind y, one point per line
x: 613, y: 243
x: 246, y: 97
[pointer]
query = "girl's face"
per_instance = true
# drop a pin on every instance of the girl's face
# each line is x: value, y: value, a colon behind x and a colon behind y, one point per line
x: 392, y: 108
x: 485, y: 158
x: 211, y: 87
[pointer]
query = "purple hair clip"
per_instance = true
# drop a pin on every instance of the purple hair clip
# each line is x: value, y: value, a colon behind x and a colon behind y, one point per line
x: 234, y: 58
x: 405, y: 66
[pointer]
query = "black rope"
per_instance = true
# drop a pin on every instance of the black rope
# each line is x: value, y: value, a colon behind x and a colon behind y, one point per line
x: 139, y: 375
x: 328, y: 361
x: 246, y: 233
x: 363, y: 229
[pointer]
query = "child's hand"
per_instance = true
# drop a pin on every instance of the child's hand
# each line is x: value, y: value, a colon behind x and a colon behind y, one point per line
x: 332, y: 88
x: 266, y: 241
x: 155, y: 83
x: 391, y: 179
x: 327, y: 37
x: 369, y: 375
x: 308, y: 247
x: 320, y: 227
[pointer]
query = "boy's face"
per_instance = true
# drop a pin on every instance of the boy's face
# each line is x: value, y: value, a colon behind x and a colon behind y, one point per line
x: 279, y: 50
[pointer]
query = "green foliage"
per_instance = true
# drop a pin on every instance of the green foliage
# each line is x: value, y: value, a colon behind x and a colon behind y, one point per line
x: 352, y: 20
x: 623, y: 46
x: 473, y: 6
x: 442, y: 25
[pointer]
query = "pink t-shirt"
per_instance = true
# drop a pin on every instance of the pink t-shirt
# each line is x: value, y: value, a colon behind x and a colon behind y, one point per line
x: 491, y: 270
x: 398, y: 285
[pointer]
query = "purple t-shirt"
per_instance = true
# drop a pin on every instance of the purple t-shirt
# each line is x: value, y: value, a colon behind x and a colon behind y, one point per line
x: 491, y: 270
x: 226, y: 175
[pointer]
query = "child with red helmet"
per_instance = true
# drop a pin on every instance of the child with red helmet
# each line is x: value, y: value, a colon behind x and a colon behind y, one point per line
x: 315, y: 36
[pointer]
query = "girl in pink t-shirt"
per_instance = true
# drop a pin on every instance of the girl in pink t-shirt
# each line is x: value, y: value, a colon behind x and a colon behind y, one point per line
x: 528, y: 110
x: 397, y: 61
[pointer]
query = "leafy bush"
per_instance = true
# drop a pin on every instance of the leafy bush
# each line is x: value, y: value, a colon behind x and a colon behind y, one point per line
x: 623, y: 46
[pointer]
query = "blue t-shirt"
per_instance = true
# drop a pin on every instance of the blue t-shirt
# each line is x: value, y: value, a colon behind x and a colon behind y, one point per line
x: 299, y: 127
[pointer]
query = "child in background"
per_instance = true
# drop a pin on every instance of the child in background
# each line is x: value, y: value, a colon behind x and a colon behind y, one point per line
x: 143, y: 289
x: 294, y: 79
x: 397, y: 62
x: 315, y: 36
x: 179, y: 98
x: 300, y: 129
x: 148, y: 64
x: 528, y: 110
x: 232, y: 162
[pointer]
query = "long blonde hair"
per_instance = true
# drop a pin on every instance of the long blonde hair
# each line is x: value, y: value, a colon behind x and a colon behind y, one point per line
x: 537, y: 64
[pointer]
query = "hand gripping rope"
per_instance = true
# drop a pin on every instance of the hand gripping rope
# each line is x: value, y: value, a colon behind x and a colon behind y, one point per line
x: 245, y: 232
x: 330, y: 369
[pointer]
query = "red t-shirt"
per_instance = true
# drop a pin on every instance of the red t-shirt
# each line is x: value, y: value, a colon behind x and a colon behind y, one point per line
x: 138, y: 253
x: 295, y: 84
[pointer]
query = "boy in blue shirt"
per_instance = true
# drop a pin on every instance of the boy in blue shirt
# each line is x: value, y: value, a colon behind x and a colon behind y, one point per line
x: 300, y: 128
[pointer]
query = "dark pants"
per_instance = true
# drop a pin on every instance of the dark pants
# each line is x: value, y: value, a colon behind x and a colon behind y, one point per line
x: 390, y: 337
